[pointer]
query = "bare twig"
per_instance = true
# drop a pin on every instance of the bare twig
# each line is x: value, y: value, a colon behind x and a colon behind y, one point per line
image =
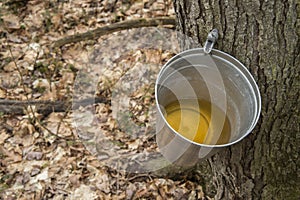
x: 21, y: 76
x: 45, y: 107
x: 32, y: 118
x: 135, y: 23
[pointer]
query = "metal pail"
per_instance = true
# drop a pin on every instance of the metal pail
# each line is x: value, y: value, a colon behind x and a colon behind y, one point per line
x: 198, y: 77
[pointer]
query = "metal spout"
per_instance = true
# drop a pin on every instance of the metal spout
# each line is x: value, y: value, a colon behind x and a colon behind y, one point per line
x: 211, y: 40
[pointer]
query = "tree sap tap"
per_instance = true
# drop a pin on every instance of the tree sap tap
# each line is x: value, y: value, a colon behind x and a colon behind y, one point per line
x: 211, y: 40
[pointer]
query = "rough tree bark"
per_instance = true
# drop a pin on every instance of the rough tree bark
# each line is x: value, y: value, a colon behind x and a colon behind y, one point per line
x: 264, y: 35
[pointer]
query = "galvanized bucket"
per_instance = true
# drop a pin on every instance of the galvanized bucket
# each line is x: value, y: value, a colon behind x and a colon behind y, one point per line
x: 211, y: 76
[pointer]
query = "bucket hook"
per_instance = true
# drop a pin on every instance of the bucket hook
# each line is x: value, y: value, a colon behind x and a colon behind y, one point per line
x: 211, y: 40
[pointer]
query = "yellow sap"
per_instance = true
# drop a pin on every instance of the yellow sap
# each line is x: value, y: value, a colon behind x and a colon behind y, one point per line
x: 193, y: 121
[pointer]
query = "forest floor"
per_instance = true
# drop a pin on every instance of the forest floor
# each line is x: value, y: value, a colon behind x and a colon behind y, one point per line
x: 43, y: 155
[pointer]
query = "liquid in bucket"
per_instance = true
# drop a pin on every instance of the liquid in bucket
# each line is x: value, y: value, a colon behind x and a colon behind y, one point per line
x: 193, y: 121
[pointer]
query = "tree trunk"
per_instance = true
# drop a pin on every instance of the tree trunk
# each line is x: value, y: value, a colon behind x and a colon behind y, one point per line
x: 265, y: 37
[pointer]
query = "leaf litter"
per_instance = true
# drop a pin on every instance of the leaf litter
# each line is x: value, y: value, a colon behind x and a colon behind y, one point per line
x: 44, y: 157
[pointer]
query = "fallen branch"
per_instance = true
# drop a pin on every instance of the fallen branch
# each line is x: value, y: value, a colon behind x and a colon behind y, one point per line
x: 45, y: 107
x: 135, y: 23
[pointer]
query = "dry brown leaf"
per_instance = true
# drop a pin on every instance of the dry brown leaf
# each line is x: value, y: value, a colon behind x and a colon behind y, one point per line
x: 67, y: 79
x: 41, y: 83
x: 35, y: 18
x: 153, y: 56
x: 130, y: 190
x: 33, y: 166
x: 77, y: 57
x: 43, y: 176
x: 140, y: 193
x: 56, y: 20
x: 84, y: 192
x: 32, y: 52
x: 55, y: 117
x: 103, y: 182
x: 9, y: 80
x: 3, y: 93
x: 27, y: 127
x: 11, y: 22
x: 57, y: 125
x: 10, y: 67
x: 74, y: 179
x: 12, y: 156
x: 55, y: 169
x: 57, y: 155
x: 34, y: 155
x: 28, y: 140
x: 3, y: 136
x: 35, y: 171
x: 134, y: 144
x: 49, y: 91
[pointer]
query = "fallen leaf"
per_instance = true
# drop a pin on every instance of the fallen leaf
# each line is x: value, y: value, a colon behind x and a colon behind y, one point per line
x: 27, y: 127
x: 56, y: 20
x: 67, y: 79
x: 34, y: 156
x: 84, y: 192
x: 58, y: 126
x: 58, y: 154
x: 35, y: 171
x: 11, y: 22
x: 41, y: 177
x: 134, y: 144
x: 103, y: 182
x: 33, y: 166
x: 55, y: 117
x: 9, y: 80
x: 3, y: 137
x: 130, y: 190
x: 2, y: 93
x: 10, y: 67
x: 13, y: 156
x: 74, y: 179
x: 41, y: 83
x: 49, y: 92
